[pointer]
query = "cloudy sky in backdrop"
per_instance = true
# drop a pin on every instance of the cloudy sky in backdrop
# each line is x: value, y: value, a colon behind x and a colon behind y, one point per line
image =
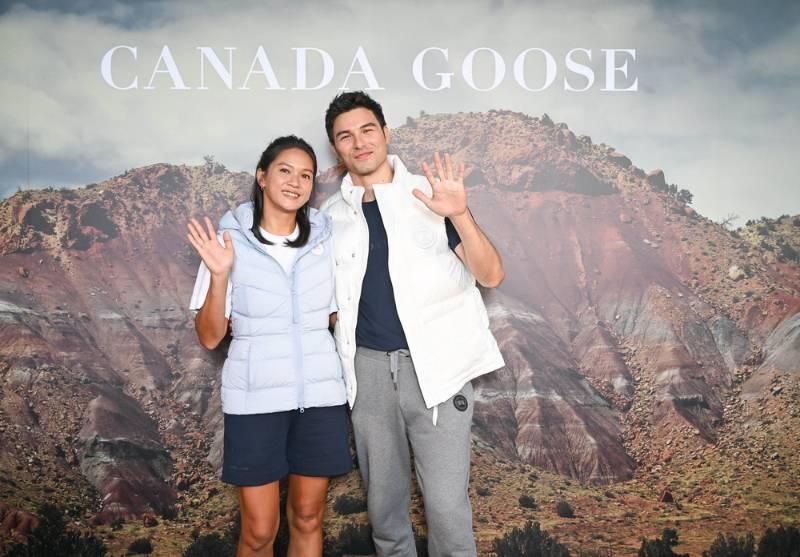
x: 716, y: 105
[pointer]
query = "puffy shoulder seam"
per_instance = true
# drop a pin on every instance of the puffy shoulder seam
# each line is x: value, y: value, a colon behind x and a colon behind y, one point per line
x: 331, y: 202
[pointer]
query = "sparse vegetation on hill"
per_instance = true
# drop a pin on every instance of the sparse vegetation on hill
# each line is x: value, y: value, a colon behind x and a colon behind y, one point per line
x: 53, y: 537
x: 779, y: 238
x: 530, y: 540
x: 661, y: 547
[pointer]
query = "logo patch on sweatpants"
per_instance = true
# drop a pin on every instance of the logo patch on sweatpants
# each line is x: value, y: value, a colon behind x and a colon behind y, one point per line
x: 460, y: 402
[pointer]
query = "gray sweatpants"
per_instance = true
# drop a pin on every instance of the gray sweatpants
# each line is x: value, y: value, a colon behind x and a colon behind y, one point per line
x: 388, y: 414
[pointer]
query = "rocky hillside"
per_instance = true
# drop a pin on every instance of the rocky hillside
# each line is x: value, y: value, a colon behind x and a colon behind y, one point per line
x: 647, y: 347
x: 102, y: 377
x: 778, y: 238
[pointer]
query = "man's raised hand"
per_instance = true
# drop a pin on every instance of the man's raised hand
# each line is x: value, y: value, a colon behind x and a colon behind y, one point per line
x: 448, y: 196
x: 218, y: 258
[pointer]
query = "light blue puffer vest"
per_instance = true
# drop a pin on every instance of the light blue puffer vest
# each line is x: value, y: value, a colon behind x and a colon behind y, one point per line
x: 282, y: 356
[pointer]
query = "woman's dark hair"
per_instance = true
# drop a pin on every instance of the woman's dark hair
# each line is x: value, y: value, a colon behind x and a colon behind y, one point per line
x: 345, y: 102
x: 267, y: 157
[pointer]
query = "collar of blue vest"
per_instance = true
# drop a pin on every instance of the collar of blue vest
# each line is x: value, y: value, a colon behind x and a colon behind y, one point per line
x: 241, y: 220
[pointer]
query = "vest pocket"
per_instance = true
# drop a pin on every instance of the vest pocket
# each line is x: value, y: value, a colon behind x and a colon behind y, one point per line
x: 460, y: 317
x: 234, y: 375
x: 235, y: 370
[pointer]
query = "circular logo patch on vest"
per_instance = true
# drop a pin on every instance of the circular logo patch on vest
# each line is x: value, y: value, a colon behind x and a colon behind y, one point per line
x: 424, y: 238
x: 460, y: 402
x: 317, y: 250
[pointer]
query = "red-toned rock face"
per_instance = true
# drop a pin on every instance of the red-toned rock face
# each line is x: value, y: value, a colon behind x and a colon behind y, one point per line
x: 103, y: 375
x: 629, y: 313
x: 623, y: 329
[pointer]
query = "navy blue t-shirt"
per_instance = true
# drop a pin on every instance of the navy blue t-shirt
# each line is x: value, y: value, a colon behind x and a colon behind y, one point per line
x: 378, y: 324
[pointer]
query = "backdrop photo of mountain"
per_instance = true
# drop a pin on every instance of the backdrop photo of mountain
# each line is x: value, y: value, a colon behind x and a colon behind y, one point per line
x: 653, y: 355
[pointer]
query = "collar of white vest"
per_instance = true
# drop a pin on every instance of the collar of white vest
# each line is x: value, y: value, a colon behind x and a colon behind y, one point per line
x: 353, y: 194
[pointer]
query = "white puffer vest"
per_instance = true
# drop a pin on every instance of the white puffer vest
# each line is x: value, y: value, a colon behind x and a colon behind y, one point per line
x: 440, y: 308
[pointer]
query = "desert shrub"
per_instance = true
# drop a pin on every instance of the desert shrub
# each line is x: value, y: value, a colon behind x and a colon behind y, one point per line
x: 595, y: 553
x: 527, y: 502
x: 215, y: 544
x: 564, y: 510
x: 788, y: 252
x: 169, y: 513
x: 52, y: 537
x: 347, y: 504
x: 211, y: 545
x: 142, y: 546
x: 684, y: 196
x: 353, y: 539
x: 731, y: 546
x: 661, y: 547
x: 529, y: 541
x: 783, y: 542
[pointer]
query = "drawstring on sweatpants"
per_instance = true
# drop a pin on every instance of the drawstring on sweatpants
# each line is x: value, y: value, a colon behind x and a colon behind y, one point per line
x: 393, y: 367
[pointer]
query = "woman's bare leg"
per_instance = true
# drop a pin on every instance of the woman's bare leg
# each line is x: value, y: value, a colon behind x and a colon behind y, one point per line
x: 305, y: 508
x: 259, y: 507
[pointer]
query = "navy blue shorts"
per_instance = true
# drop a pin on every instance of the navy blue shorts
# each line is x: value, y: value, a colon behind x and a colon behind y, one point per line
x: 262, y: 448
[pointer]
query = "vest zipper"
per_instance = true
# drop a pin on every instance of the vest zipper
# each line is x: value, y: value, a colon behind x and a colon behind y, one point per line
x: 296, y: 326
x: 297, y: 329
x: 298, y: 340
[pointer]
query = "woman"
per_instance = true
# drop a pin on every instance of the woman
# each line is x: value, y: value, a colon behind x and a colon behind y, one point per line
x: 283, y: 396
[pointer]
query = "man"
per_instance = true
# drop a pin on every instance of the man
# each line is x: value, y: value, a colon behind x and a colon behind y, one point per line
x: 412, y: 330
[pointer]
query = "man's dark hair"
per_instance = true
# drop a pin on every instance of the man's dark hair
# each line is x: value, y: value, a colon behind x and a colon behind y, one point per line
x: 345, y: 102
